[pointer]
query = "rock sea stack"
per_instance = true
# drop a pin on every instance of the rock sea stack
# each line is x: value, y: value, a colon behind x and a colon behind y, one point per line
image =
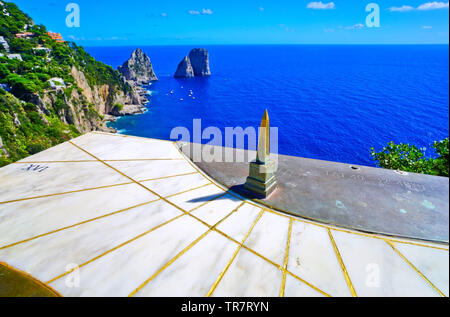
x: 138, y: 68
x: 185, y: 69
x: 196, y: 64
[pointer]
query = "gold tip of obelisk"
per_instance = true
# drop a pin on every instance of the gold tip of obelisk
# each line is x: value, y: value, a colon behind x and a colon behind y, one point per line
x: 263, y: 151
x: 265, y: 120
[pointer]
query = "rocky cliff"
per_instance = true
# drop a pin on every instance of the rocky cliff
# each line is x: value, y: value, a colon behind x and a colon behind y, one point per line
x: 61, y: 91
x: 185, y: 69
x: 106, y: 99
x: 89, y: 107
x: 138, y: 68
x: 40, y: 120
x: 196, y: 64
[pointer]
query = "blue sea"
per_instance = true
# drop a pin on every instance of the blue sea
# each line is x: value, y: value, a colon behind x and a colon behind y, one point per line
x: 329, y: 102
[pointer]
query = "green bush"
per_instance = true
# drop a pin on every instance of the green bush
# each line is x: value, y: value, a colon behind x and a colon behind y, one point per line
x: 21, y: 85
x: 20, y: 45
x: 4, y: 71
x: 118, y: 106
x: 442, y: 162
x: 4, y: 161
x: 35, y: 148
x: 409, y: 158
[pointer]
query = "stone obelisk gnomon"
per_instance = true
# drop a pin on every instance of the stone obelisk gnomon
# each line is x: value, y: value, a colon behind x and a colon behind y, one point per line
x: 262, y: 181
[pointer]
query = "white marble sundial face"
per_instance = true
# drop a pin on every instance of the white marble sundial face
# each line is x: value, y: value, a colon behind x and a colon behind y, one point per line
x: 128, y: 216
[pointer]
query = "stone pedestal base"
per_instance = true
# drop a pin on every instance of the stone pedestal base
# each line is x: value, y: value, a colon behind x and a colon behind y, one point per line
x: 262, y: 181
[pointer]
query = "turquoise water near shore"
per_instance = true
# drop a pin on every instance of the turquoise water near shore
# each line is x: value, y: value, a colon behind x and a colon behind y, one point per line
x: 329, y: 102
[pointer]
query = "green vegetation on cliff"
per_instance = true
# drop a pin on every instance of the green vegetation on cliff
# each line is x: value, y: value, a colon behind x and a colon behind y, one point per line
x: 24, y: 131
x: 14, y: 22
x: 37, y: 112
x: 409, y: 158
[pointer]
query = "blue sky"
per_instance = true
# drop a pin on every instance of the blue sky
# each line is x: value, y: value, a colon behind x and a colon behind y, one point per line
x: 181, y: 22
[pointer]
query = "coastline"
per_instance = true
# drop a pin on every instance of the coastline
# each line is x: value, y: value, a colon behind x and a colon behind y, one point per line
x: 130, y: 110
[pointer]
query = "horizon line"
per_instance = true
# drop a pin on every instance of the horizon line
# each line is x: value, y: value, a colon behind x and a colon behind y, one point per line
x: 273, y: 44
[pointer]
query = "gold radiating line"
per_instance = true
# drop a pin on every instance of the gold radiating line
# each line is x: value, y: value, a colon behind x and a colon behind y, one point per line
x: 131, y: 179
x: 100, y: 217
x: 48, y: 162
x: 63, y: 193
x: 130, y: 136
x: 416, y: 244
x: 222, y: 274
x: 414, y: 268
x: 203, y: 222
x: 372, y: 236
x: 94, y: 188
x: 117, y: 247
x: 151, y: 191
x: 166, y: 177
x: 286, y: 258
x: 212, y: 228
x: 183, y: 252
x: 311, y: 221
x: 270, y: 261
x: 188, y: 190
x: 95, y: 161
x: 169, y: 263
x: 145, y: 160
x: 135, y: 238
x: 78, y: 224
x: 281, y: 268
x: 307, y: 283
x: 341, y: 262
x: 329, y: 232
x: 169, y: 202
x: 347, y: 277
x: 284, y: 269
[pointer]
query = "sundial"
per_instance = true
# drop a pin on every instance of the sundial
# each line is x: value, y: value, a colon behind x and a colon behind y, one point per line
x: 116, y: 215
